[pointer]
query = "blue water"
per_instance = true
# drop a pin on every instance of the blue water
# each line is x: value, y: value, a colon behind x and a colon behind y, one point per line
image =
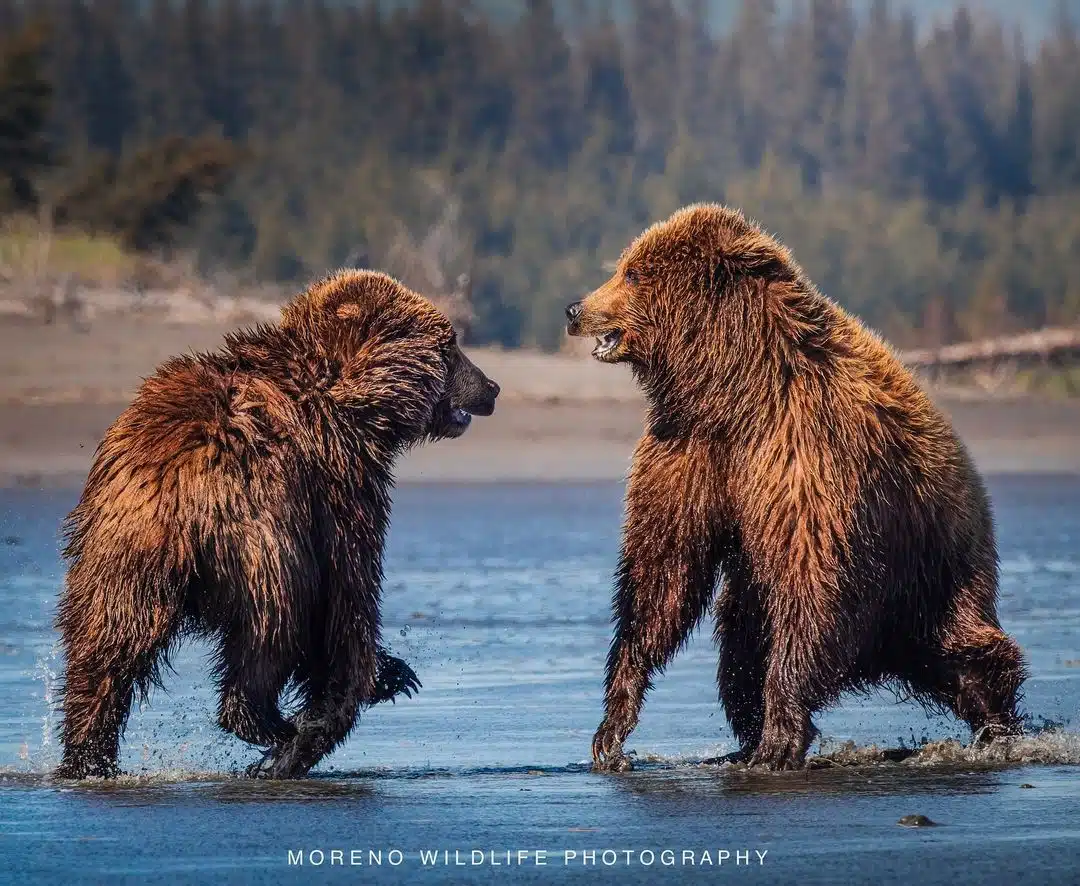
x: 498, y: 595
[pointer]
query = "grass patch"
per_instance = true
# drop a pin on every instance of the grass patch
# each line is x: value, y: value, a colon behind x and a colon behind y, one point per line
x: 1058, y: 381
x: 32, y: 250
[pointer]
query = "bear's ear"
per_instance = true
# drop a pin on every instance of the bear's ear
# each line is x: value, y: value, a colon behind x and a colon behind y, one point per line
x: 756, y: 257
x: 745, y: 265
x: 349, y: 310
x: 763, y: 263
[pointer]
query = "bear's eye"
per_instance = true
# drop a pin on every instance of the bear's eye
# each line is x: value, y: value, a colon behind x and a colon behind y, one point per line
x: 631, y: 277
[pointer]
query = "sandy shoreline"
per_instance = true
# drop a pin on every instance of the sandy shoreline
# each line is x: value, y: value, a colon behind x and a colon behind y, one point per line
x: 560, y: 418
x: 53, y: 445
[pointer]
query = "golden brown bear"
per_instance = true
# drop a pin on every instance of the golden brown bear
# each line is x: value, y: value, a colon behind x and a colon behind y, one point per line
x: 244, y: 495
x: 790, y: 454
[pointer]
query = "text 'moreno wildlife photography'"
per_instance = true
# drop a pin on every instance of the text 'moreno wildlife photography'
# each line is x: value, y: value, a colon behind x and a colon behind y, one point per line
x: 510, y: 858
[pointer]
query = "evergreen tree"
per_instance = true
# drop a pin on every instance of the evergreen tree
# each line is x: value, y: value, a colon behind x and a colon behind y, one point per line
x: 928, y: 178
x: 25, y: 97
x: 1056, y: 124
x: 653, y: 52
x: 546, y: 122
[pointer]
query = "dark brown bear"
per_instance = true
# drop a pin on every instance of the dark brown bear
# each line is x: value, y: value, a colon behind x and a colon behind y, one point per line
x: 244, y: 496
x: 788, y: 452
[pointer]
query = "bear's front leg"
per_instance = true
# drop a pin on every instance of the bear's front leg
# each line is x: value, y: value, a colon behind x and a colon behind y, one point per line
x: 394, y: 678
x: 665, y: 580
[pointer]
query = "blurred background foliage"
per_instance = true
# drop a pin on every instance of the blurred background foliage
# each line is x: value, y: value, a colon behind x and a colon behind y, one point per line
x: 925, y: 168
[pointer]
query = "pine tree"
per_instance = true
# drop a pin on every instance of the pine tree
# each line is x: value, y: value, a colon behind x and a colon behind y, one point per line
x: 546, y: 120
x: 1056, y: 124
x: 25, y: 98
x: 653, y: 75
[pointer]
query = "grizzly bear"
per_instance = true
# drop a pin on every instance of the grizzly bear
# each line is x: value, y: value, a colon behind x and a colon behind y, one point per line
x: 244, y: 496
x: 789, y: 453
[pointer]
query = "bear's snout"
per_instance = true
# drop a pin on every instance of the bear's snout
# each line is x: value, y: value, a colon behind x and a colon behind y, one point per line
x: 484, y: 402
x: 573, y: 317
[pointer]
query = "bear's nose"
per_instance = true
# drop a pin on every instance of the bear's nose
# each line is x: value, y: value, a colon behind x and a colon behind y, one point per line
x: 493, y: 388
x: 573, y: 311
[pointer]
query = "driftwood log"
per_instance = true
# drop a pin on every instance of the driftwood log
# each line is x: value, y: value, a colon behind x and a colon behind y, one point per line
x: 1050, y: 345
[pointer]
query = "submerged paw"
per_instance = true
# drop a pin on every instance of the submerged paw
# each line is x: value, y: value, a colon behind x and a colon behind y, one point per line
x: 779, y: 754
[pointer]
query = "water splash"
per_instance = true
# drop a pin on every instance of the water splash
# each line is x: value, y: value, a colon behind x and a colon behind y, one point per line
x: 46, y: 671
x: 1053, y: 747
x: 1049, y: 744
x: 181, y: 741
x: 1049, y: 747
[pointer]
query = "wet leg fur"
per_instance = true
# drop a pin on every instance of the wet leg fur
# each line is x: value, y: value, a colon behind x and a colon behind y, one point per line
x: 989, y: 672
x: 329, y: 711
x: 320, y: 726
x: 251, y: 680
x: 664, y: 584
x: 789, y: 702
x: 335, y: 688
x: 97, y: 701
x: 742, y: 638
x: 101, y: 680
x: 976, y: 673
x: 323, y: 715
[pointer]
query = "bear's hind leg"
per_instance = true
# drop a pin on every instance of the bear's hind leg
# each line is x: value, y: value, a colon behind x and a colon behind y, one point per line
x: 321, y: 725
x: 252, y: 678
x: 978, y: 674
x: 103, y: 671
x: 335, y: 686
x: 741, y: 637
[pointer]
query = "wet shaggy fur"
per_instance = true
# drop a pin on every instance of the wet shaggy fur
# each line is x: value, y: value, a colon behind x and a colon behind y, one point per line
x: 244, y: 495
x: 788, y: 454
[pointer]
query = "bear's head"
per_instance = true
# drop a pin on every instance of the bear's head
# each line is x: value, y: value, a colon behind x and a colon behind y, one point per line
x: 398, y: 353
x: 697, y: 303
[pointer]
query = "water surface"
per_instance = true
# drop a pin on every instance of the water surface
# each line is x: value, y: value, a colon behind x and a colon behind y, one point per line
x: 499, y: 597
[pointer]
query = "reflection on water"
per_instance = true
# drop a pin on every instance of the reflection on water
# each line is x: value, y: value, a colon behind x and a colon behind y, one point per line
x: 691, y: 785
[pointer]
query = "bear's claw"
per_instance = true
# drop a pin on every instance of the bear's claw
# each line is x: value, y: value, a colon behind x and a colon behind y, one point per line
x: 394, y: 678
x: 607, y: 751
x: 260, y: 768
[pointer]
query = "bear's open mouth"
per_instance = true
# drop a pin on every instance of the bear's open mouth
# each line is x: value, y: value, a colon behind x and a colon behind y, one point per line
x: 607, y: 343
x: 455, y: 421
x: 459, y: 418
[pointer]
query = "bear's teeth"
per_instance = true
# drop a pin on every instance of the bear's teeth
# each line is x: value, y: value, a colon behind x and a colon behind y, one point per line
x: 607, y: 342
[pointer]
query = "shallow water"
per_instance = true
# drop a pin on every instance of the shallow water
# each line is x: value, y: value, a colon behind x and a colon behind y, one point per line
x: 498, y: 595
